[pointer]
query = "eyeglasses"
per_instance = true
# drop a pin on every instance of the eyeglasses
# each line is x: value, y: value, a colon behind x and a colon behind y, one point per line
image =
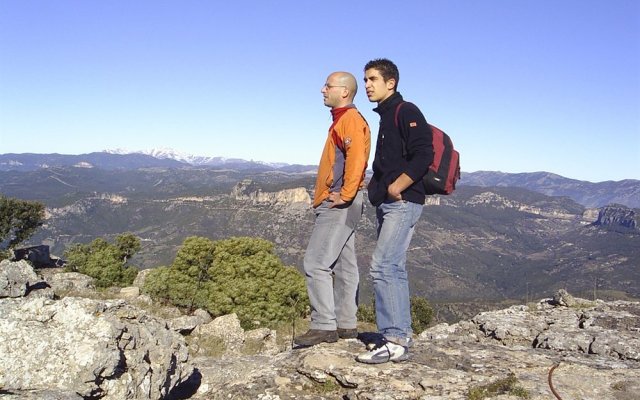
x: 326, y: 85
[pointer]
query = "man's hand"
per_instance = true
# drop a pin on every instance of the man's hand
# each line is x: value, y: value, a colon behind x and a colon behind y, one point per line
x: 335, y: 199
x: 394, y: 191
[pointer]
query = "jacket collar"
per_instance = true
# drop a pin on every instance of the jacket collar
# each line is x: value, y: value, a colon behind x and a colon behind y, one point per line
x: 389, y: 103
x: 337, y: 112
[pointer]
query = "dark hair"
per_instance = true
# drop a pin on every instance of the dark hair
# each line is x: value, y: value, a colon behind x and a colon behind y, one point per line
x: 387, y: 69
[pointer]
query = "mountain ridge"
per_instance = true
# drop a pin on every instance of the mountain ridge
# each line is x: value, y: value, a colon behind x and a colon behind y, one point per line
x: 168, y: 153
x: 590, y: 194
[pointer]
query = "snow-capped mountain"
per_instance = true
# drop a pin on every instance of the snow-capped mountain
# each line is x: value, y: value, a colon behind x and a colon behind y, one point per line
x: 168, y: 153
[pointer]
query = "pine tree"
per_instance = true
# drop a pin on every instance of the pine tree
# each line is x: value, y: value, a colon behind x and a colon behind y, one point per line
x: 19, y: 219
x: 239, y: 275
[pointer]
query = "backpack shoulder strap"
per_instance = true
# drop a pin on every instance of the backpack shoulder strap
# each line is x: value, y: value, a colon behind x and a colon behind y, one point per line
x: 398, y: 112
x: 395, y: 119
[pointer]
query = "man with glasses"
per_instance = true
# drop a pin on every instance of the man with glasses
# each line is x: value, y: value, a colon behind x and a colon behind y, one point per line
x: 330, y: 263
x: 403, y: 153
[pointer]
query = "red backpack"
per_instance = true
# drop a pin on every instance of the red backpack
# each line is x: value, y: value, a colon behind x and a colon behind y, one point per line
x: 444, y: 172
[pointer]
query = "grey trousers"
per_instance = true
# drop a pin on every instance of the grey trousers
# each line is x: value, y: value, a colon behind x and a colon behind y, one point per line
x: 331, y: 266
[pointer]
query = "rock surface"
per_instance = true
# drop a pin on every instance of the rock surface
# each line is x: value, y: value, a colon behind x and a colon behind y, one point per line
x: 16, y: 278
x: 70, y: 282
x: 594, y: 349
x: 89, y: 348
x: 79, y: 348
x: 104, y: 349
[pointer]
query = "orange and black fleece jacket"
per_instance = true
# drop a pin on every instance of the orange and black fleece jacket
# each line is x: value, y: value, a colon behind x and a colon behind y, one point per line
x: 345, y: 156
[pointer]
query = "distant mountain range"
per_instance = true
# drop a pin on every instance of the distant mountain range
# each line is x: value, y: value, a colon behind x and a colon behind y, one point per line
x: 589, y: 194
x: 122, y: 159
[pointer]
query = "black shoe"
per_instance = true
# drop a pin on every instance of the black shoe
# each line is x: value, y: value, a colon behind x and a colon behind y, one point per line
x: 316, y: 336
x: 347, y: 333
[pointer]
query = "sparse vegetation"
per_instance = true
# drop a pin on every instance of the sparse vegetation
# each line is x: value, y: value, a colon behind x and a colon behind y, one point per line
x: 508, y: 385
x: 367, y: 313
x: 103, y: 261
x: 328, y: 387
x: 239, y: 275
x: 421, y: 313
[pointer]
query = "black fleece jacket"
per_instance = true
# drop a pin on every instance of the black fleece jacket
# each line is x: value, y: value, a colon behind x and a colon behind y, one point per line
x: 391, y: 160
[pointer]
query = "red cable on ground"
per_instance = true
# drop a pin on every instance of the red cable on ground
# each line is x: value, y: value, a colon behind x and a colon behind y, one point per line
x: 553, y: 390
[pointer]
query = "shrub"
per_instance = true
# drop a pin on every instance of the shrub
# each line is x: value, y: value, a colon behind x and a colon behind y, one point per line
x: 105, y: 262
x: 421, y: 314
x: 508, y: 385
x: 238, y: 275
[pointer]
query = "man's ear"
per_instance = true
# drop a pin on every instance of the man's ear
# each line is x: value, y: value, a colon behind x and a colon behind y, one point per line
x: 391, y: 84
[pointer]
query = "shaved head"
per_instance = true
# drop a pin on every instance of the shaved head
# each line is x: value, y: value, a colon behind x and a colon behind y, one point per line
x: 349, y: 81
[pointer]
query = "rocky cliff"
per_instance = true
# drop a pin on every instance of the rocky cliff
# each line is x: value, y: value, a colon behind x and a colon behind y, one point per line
x: 59, y: 344
x: 617, y: 217
x: 248, y: 190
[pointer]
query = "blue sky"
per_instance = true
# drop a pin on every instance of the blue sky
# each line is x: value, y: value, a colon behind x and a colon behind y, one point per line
x: 520, y: 85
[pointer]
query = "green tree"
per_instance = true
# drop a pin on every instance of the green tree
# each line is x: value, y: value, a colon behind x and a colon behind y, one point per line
x: 238, y: 275
x: 127, y: 244
x: 105, y: 262
x: 19, y: 219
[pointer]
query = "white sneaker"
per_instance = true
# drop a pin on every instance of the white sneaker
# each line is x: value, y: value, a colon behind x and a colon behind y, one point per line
x: 408, y: 342
x: 386, y: 352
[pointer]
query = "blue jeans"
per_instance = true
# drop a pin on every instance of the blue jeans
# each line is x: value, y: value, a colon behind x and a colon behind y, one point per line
x: 331, y: 267
x: 396, y: 223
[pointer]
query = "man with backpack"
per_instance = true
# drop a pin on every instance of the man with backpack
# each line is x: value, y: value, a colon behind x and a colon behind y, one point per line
x: 404, y: 151
x: 330, y: 262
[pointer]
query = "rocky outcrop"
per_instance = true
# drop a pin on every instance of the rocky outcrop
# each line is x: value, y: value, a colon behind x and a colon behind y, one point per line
x: 617, y: 217
x: 98, y: 349
x: 16, y: 278
x: 185, y: 324
x: 37, y: 255
x: 247, y: 190
x: 590, y: 215
x: 501, y: 203
x: 82, y: 348
x: 70, y: 282
x: 84, y: 206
